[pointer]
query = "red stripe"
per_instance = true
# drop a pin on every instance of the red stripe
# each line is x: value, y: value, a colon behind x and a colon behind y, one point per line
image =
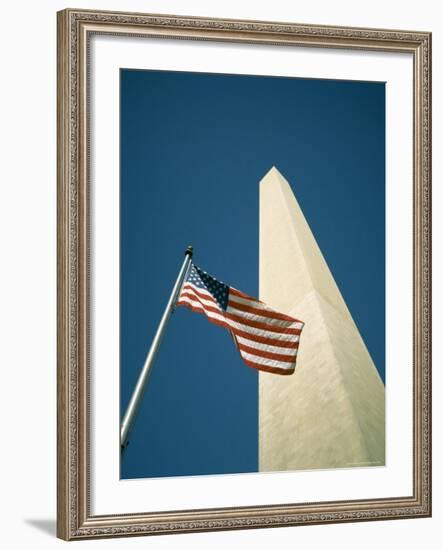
x: 201, y: 294
x: 211, y: 319
x: 264, y: 326
x: 275, y: 370
x: 236, y: 292
x: 263, y: 312
x: 192, y: 297
x: 265, y: 340
x: 267, y: 354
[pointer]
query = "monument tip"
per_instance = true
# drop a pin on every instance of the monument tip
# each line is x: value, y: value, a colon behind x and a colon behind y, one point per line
x: 271, y: 171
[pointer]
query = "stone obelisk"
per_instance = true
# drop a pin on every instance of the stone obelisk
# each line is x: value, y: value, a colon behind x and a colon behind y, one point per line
x: 331, y: 412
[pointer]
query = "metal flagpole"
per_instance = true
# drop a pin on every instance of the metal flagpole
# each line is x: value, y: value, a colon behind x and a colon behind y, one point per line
x: 137, y: 394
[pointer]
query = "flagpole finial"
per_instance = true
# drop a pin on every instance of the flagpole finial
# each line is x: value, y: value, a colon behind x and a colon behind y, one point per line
x: 189, y: 251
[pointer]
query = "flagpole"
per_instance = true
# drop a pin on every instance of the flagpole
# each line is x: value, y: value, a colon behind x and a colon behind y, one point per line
x: 139, y: 389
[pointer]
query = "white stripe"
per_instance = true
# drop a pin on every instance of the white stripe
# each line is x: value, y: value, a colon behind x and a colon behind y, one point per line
x: 261, y: 318
x: 267, y: 362
x: 263, y: 332
x: 234, y: 324
x: 208, y: 303
x: 200, y: 307
x: 246, y: 301
x: 290, y: 352
x: 197, y: 288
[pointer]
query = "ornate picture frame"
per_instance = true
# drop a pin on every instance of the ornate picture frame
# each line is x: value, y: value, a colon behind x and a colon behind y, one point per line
x: 75, y: 516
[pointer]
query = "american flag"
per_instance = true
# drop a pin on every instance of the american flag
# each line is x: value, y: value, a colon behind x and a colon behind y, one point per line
x: 267, y: 340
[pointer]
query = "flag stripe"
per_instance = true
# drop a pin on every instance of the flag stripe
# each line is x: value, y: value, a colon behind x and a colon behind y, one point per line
x: 265, y: 368
x: 250, y: 322
x: 205, y: 295
x: 210, y: 306
x: 195, y: 306
x: 268, y: 354
x: 261, y: 311
x: 264, y: 361
x: 290, y: 352
x: 292, y: 341
x: 236, y: 292
x: 242, y: 300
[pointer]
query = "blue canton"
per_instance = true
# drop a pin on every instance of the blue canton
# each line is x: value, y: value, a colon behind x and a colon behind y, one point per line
x: 218, y: 290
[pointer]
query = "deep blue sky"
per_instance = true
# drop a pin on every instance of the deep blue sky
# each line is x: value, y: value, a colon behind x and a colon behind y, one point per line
x: 193, y: 149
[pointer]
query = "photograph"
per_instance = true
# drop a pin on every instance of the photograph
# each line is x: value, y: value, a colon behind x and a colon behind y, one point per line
x: 261, y: 348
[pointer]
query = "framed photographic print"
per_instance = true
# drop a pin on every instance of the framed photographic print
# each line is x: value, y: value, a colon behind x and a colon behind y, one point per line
x: 243, y: 274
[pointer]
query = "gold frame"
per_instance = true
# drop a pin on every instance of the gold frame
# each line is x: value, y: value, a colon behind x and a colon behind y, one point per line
x: 74, y: 520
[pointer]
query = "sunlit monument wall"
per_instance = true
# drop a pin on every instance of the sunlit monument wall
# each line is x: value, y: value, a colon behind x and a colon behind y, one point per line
x: 331, y: 412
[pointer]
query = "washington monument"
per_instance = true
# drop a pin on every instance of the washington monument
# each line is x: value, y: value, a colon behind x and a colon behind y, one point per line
x: 331, y: 412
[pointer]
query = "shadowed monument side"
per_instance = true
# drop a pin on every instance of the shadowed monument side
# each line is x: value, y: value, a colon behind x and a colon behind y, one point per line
x: 331, y: 412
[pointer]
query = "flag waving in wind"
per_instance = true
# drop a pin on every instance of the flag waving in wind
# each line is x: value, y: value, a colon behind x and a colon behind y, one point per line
x: 267, y: 340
